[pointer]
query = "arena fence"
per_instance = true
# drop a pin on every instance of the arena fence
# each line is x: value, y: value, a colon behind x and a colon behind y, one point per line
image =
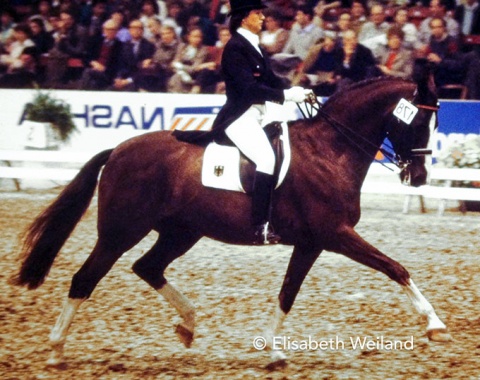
x: 62, y: 166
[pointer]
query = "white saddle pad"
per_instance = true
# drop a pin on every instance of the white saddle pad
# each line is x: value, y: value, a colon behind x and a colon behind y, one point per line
x: 221, y: 165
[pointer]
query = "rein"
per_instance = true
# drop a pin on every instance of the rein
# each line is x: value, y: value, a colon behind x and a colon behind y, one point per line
x: 312, y: 104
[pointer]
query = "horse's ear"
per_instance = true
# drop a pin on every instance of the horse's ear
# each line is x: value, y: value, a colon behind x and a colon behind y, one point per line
x: 422, y: 75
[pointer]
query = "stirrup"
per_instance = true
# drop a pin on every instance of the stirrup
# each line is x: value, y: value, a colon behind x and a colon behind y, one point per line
x: 264, y: 235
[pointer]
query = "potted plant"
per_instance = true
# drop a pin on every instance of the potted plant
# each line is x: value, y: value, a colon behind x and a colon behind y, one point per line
x: 50, y: 120
x: 463, y: 154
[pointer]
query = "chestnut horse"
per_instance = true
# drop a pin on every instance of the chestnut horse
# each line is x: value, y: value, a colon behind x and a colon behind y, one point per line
x: 152, y: 182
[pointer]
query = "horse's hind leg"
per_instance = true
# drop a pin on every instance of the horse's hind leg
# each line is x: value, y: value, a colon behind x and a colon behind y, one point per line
x: 354, y: 247
x: 172, y: 243
x: 110, y: 246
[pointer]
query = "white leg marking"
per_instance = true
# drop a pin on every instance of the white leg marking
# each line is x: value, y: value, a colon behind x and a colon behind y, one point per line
x: 273, y: 331
x: 59, y: 332
x: 186, y: 310
x: 424, y: 307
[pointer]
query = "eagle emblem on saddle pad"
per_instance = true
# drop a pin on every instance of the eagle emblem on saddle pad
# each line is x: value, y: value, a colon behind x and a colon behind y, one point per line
x: 225, y: 167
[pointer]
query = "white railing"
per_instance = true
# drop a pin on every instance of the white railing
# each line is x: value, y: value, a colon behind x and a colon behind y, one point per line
x: 29, y: 164
x: 389, y: 184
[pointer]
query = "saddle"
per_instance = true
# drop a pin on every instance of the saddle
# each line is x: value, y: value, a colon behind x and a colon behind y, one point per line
x: 225, y: 167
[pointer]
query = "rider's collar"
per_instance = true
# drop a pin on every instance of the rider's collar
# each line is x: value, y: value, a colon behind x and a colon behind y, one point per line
x: 250, y: 37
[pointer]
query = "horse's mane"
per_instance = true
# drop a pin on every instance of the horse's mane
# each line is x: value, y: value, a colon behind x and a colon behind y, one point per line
x: 342, y: 95
x: 361, y: 84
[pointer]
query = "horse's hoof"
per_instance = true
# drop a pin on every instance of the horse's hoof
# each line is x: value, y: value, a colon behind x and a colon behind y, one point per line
x: 185, y: 335
x: 277, y: 364
x: 439, y: 335
x: 56, y: 362
x: 279, y: 361
x: 56, y: 356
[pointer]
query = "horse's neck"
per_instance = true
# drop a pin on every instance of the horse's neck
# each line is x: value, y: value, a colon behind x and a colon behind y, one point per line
x: 354, y: 128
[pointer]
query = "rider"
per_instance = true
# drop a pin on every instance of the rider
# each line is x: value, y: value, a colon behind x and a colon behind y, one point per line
x: 250, y: 82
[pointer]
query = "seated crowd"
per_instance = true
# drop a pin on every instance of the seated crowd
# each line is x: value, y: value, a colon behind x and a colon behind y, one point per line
x: 176, y: 46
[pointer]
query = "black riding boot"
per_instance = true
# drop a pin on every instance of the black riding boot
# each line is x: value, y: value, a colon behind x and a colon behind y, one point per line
x: 261, y: 203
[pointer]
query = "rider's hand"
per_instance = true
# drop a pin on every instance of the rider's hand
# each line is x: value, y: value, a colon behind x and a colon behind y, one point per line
x: 296, y: 94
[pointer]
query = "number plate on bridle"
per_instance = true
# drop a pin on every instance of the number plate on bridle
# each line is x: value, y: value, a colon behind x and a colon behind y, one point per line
x: 405, y: 111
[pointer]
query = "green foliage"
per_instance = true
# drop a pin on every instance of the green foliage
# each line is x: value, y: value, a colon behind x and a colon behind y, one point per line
x: 46, y: 109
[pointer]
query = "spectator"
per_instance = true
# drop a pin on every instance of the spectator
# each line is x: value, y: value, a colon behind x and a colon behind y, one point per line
x: 154, y: 25
x: 190, y: 59
x: 209, y: 31
x: 44, y: 12
x: 400, y: 19
x: 70, y: 43
x: 20, y: 40
x: 373, y: 33
x: 24, y: 75
x: 437, y: 9
x: 191, y: 9
x: 104, y: 57
x: 358, y: 16
x: 303, y: 35
x: 209, y: 79
x: 7, y: 23
x: 155, y: 72
x: 41, y: 38
x: 353, y: 61
x: 99, y: 16
x: 318, y: 69
x: 72, y: 7
x: 396, y: 60
x: 468, y: 17
x: 344, y: 23
x: 173, y: 10
x: 219, y: 12
x: 134, y: 56
x: 149, y: 11
x: 442, y: 51
x: 274, y: 37
x: 123, y: 34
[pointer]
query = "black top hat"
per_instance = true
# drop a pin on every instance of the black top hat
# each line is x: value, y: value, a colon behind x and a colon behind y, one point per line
x: 243, y: 5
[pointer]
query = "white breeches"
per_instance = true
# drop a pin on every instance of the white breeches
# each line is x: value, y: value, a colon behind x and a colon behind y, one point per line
x: 247, y: 134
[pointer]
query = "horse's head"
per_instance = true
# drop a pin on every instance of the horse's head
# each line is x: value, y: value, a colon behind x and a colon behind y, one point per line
x: 412, y: 131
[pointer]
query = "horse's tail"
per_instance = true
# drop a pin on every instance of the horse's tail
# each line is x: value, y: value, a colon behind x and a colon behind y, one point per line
x: 46, y: 235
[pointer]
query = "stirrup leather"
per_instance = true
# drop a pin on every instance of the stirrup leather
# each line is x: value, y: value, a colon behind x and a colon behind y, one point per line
x: 265, y: 235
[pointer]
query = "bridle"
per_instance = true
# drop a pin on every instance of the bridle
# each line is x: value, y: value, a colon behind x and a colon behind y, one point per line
x: 313, y: 106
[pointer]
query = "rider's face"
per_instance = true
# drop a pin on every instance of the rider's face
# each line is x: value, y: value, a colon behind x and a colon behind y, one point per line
x: 254, y: 21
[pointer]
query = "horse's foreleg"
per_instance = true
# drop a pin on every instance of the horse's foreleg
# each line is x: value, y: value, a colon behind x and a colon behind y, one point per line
x: 300, y: 263
x: 172, y: 244
x: 354, y: 247
x: 436, y: 329
x: 59, y: 332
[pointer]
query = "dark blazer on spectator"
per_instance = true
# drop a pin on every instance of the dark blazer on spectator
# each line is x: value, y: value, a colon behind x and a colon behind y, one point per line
x: 112, y: 66
x: 129, y: 61
x: 361, y: 64
x: 75, y: 42
x: 459, y: 15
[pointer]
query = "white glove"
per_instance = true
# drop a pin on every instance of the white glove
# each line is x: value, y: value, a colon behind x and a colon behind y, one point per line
x: 296, y: 94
